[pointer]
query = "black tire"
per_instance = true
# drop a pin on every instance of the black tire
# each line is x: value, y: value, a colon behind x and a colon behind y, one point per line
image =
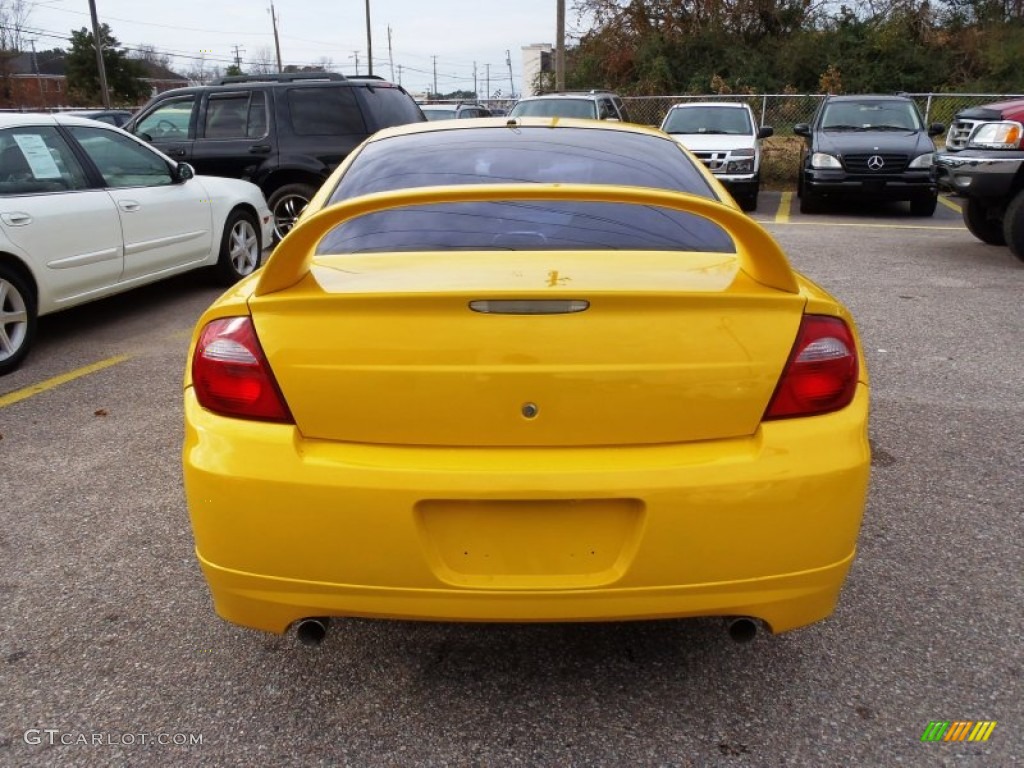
x: 286, y: 203
x: 748, y: 202
x: 17, y: 318
x: 924, y: 205
x: 240, y: 247
x: 979, y: 223
x: 809, y: 202
x: 1013, y: 225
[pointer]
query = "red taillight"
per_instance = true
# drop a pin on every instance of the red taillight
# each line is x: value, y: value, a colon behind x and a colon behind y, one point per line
x: 231, y: 375
x: 821, y: 374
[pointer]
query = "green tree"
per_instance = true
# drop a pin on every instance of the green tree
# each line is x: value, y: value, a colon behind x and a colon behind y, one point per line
x: 124, y: 74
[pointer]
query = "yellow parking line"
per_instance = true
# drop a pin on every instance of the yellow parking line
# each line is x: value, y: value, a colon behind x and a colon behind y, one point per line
x: 782, y: 215
x: 22, y: 394
x: 950, y: 204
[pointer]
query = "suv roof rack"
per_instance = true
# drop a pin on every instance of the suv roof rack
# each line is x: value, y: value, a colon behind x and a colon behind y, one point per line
x: 281, y: 77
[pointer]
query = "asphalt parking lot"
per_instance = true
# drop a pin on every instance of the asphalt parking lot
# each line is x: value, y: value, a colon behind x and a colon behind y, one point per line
x: 110, y: 653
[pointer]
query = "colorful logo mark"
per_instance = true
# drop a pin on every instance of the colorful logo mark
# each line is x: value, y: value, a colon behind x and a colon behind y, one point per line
x: 958, y: 730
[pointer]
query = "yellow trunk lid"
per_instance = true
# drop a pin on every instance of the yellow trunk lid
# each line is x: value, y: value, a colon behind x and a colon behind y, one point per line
x: 387, y: 348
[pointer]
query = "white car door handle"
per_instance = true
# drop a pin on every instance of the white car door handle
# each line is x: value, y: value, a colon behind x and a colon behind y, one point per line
x: 16, y: 219
x: 129, y: 205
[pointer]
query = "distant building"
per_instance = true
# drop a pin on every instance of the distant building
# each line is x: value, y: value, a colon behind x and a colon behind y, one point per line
x: 43, y: 83
x: 537, y: 58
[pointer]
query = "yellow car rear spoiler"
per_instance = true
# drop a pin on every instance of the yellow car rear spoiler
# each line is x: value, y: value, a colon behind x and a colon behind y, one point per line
x: 760, y: 256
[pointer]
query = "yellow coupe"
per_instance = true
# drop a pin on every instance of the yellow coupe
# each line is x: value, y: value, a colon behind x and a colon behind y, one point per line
x: 525, y: 370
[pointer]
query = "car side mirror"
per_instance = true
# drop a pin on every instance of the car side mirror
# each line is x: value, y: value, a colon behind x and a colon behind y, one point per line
x: 802, y: 129
x: 936, y: 129
x: 765, y: 131
x: 183, y: 172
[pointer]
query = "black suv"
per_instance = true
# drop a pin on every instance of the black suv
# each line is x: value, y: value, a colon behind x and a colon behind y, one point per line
x: 870, y: 146
x: 285, y: 133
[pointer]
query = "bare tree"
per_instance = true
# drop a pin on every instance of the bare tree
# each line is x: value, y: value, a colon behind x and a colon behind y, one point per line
x: 13, y: 20
x: 324, y: 64
x: 263, y: 61
x: 197, y: 73
x: 151, y: 55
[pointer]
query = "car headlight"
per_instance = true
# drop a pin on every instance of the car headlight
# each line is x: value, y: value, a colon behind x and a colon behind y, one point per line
x: 740, y: 166
x: 922, y: 161
x: 825, y: 160
x: 1004, y: 135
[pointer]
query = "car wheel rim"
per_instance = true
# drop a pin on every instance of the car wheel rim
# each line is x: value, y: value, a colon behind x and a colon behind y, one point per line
x: 243, y: 247
x: 13, y: 320
x: 286, y: 212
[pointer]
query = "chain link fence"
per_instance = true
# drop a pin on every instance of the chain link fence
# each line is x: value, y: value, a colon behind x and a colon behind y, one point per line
x: 782, y: 110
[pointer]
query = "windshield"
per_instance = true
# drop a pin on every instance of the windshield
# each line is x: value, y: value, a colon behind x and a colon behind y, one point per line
x: 532, y: 155
x: 871, y: 116
x: 584, y: 108
x: 700, y: 119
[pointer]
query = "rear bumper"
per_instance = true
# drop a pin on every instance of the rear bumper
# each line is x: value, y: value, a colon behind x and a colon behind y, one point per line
x: 287, y: 528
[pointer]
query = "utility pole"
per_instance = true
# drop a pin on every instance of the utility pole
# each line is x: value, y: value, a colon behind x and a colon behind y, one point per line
x: 277, y: 40
x: 399, y: 74
x: 355, y: 55
x: 391, y: 56
x: 104, y: 91
x: 511, y: 82
x: 488, y: 80
x: 35, y: 68
x: 475, y: 94
x: 238, y: 57
x: 560, y: 47
x: 436, y: 94
x: 369, y: 41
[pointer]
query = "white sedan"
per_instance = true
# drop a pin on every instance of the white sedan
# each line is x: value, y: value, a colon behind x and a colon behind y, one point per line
x: 87, y: 210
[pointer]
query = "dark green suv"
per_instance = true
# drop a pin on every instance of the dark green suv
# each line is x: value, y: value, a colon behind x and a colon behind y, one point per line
x: 285, y: 133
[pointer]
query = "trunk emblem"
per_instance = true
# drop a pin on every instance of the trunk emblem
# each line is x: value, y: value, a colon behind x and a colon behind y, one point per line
x: 530, y: 410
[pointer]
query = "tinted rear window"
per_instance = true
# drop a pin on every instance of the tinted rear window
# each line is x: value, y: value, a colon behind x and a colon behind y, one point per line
x: 516, y: 155
x: 322, y: 111
x: 387, y: 106
x: 539, y: 155
x: 527, y: 226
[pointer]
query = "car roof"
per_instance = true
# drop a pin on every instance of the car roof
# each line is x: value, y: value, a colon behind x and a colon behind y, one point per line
x: 518, y: 122
x: 690, y: 104
x: 869, y: 96
x: 18, y: 119
x: 579, y: 96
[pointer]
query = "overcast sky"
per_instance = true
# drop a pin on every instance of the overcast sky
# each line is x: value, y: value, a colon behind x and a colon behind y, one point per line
x: 457, y: 32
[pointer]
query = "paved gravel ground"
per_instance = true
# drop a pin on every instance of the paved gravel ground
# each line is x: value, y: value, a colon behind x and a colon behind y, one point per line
x: 107, y: 631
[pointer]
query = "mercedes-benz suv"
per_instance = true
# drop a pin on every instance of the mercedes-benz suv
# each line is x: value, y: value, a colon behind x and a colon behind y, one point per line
x: 875, y: 147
